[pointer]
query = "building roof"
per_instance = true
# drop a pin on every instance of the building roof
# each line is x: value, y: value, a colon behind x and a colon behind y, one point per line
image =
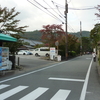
x: 32, y: 42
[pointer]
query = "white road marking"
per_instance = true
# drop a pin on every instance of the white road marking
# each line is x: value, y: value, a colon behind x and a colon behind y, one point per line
x: 34, y: 94
x: 2, y: 86
x: 61, y: 95
x: 32, y: 72
x: 88, y: 58
x: 83, y: 93
x: 11, y: 92
x: 66, y: 79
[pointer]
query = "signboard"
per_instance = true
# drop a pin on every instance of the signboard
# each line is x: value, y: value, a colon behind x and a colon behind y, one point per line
x: 52, y: 52
x: 0, y: 57
x: 56, y: 43
x: 4, y: 57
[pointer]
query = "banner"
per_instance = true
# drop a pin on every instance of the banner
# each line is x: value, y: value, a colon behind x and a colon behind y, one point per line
x: 52, y: 53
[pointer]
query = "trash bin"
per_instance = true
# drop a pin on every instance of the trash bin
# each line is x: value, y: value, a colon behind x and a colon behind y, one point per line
x: 9, y: 65
x: 12, y: 59
x: 59, y: 58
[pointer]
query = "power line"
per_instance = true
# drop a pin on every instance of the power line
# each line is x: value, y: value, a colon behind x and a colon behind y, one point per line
x: 82, y: 8
x: 48, y: 10
x: 44, y: 11
x: 71, y: 28
x: 52, y: 8
x: 58, y: 9
x: 61, y: 6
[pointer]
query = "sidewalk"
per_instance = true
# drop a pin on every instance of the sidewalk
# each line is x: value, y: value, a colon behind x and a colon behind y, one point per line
x: 93, y: 90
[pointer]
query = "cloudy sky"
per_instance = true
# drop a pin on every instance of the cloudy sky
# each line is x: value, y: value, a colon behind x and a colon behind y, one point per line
x: 36, y: 13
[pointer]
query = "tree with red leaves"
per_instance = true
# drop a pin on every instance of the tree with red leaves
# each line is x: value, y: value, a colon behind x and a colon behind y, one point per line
x: 51, y: 34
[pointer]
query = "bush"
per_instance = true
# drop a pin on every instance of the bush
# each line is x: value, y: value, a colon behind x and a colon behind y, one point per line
x: 72, y: 53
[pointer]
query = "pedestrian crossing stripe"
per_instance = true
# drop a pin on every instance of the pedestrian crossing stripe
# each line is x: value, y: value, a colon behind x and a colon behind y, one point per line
x: 61, y: 94
x: 3, y: 86
x: 11, y: 92
x: 35, y: 94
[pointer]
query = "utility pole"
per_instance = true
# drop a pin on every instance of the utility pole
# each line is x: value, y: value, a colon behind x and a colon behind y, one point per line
x: 66, y: 35
x: 81, y: 38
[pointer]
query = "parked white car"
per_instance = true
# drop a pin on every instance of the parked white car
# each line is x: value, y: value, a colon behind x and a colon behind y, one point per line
x: 43, y: 51
x: 23, y: 52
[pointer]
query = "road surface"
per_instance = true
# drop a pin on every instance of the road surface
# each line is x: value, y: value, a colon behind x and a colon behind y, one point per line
x: 67, y: 80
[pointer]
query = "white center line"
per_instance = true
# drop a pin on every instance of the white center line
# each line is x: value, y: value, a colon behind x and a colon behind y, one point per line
x: 66, y: 79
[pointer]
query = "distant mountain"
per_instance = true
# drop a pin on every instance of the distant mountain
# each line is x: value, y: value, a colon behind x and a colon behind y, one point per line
x: 84, y: 34
x: 36, y: 35
x: 32, y: 35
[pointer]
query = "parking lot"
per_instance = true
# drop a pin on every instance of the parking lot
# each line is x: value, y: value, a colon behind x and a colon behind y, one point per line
x: 29, y: 57
x: 30, y: 62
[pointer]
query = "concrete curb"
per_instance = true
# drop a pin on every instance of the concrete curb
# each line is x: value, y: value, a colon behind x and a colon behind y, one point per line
x: 98, y: 70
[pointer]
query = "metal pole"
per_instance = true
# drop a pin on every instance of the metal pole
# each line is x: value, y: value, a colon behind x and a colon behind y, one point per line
x: 66, y: 35
x: 18, y: 61
x: 81, y: 52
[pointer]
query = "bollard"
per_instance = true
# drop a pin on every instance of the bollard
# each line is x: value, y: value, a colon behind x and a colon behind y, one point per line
x: 18, y: 61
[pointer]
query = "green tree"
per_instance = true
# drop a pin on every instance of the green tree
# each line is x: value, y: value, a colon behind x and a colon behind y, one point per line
x: 9, y: 25
x: 95, y: 35
x: 73, y: 45
x: 86, y: 44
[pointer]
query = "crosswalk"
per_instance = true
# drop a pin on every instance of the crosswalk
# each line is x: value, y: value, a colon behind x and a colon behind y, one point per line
x: 61, y: 94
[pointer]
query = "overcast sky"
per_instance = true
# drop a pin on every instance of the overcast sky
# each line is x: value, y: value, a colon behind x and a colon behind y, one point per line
x: 35, y: 17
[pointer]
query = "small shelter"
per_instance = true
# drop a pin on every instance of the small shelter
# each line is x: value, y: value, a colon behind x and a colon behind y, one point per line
x: 6, y: 38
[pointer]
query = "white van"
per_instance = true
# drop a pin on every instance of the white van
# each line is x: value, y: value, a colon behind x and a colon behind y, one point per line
x: 42, y: 51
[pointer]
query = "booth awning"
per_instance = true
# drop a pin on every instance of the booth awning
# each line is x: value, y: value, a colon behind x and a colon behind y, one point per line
x: 4, y: 37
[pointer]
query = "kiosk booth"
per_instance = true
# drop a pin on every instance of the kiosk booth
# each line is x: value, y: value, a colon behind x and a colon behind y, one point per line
x: 5, y: 63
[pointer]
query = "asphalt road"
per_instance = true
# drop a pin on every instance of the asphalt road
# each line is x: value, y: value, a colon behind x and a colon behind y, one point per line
x: 48, y: 80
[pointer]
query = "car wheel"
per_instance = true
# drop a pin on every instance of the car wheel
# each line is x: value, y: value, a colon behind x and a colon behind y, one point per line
x: 23, y: 53
x: 47, y: 55
x: 36, y: 54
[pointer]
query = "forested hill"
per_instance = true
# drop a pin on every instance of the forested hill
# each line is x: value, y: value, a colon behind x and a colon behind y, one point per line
x: 32, y: 35
x: 84, y: 34
x: 36, y: 35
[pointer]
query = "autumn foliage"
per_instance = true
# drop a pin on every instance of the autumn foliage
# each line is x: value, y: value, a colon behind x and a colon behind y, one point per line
x: 51, y: 34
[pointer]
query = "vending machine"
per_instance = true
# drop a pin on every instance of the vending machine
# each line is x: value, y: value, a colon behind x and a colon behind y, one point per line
x: 5, y: 64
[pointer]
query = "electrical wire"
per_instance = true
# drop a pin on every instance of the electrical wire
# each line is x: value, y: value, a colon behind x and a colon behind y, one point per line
x: 62, y: 17
x: 44, y: 11
x: 48, y: 10
x: 82, y: 8
x: 58, y: 9
x: 71, y: 28
x: 52, y: 8
x: 70, y: 8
